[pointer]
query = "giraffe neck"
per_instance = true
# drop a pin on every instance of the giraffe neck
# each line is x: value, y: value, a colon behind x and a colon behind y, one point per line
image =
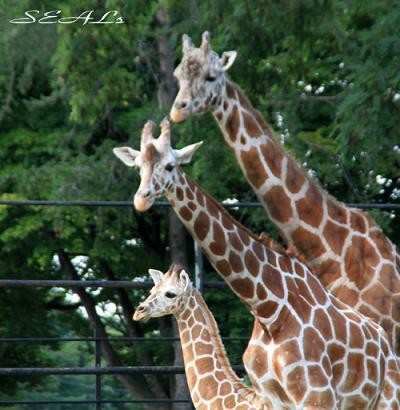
x: 247, y: 263
x: 208, y: 370
x: 293, y: 200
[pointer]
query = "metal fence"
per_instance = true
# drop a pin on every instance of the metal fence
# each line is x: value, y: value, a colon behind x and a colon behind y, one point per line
x: 98, y: 370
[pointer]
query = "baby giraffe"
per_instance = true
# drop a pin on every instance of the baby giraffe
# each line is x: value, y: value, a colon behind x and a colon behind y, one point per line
x: 308, y: 350
x: 212, y: 383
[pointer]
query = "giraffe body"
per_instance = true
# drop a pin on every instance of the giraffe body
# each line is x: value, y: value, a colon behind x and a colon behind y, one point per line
x: 308, y: 350
x: 212, y: 383
x: 344, y: 247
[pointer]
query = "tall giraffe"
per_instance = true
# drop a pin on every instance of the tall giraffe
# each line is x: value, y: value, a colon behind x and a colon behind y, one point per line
x: 212, y: 382
x: 344, y: 247
x: 307, y: 350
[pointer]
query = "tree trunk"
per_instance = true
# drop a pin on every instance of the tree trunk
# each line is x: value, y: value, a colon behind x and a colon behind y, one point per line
x: 134, y: 330
x: 136, y: 385
x: 177, y: 232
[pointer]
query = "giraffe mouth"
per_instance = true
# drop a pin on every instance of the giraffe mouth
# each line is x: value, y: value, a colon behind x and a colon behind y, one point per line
x: 142, y: 204
x: 140, y: 316
x: 179, y: 116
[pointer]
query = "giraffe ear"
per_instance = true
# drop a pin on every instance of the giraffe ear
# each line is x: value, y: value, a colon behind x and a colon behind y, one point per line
x: 227, y: 59
x: 127, y: 155
x: 184, y: 278
x: 184, y: 155
x: 156, y: 275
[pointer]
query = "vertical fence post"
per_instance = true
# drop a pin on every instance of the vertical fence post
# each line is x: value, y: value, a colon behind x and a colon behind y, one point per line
x: 97, y: 361
x: 198, y: 268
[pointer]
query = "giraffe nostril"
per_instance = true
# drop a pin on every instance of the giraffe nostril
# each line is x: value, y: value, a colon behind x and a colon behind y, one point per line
x: 146, y: 193
x: 181, y: 105
x: 141, y: 308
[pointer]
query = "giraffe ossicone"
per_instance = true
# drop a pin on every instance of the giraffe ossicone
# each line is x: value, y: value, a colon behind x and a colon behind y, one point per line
x: 346, y: 249
x: 307, y: 348
x: 213, y: 384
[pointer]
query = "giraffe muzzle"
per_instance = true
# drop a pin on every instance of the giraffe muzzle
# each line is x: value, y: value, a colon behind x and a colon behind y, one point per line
x: 179, y: 114
x: 142, y: 203
x: 140, y: 313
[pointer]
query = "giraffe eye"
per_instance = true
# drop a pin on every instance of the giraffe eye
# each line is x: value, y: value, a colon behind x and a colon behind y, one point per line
x: 169, y: 167
x: 210, y: 78
x: 170, y: 295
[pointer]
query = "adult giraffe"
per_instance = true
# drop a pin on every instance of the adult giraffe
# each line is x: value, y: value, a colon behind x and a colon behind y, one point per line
x: 308, y: 350
x: 344, y: 247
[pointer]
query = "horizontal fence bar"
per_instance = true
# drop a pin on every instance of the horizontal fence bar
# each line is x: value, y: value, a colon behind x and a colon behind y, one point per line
x: 77, y: 371
x: 74, y: 283
x: 96, y: 339
x: 105, y: 401
x: 248, y: 204
x: 44, y: 283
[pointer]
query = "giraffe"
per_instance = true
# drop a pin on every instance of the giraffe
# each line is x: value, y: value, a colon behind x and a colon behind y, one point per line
x: 307, y: 349
x: 344, y: 246
x: 212, y: 382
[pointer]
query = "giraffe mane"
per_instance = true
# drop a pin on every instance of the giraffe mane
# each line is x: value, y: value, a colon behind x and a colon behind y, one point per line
x: 266, y: 240
x: 293, y: 252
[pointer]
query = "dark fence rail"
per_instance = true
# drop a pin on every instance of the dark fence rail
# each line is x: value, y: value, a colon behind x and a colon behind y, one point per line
x: 389, y: 206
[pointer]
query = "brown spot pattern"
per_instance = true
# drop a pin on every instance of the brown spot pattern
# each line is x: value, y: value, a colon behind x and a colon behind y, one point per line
x: 278, y: 203
x: 379, y: 297
x: 273, y: 156
x: 207, y: 388
x: 308, y: 243
x: 323, y: 324
x: 355, y: 372
x: 252, y: 128
x: 258, y: 250
x: 296, y: 383
x: 358, y: 222
x: 218, y: 247
x: 336, y: 211
x: 185, y: 213
x: 261, y: 292
x: 227, y: 222
x: 234, y: 240
x: 295, y: 178
x: 360, y: 260
x: 383, y: 244
x: 236, y: 262
x: 336, y: 236
x: 313, y: 345
x: 202, y: 225
x: 233, y: 123
x: 327, y: 272
x: 253, y: 167
x: 317, y: 376
x: 223, y: 267
x: 310, y: 207
x: 244, y: 287
x: 251, y: 263
x: 179, y: 194
x: 347, y: 295
x: 267, y: 309
x: 272, y: 279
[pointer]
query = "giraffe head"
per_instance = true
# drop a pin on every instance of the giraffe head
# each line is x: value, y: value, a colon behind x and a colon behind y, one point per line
x: 201, y: 76
x: 157, y: 162
x: 168, y: 296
